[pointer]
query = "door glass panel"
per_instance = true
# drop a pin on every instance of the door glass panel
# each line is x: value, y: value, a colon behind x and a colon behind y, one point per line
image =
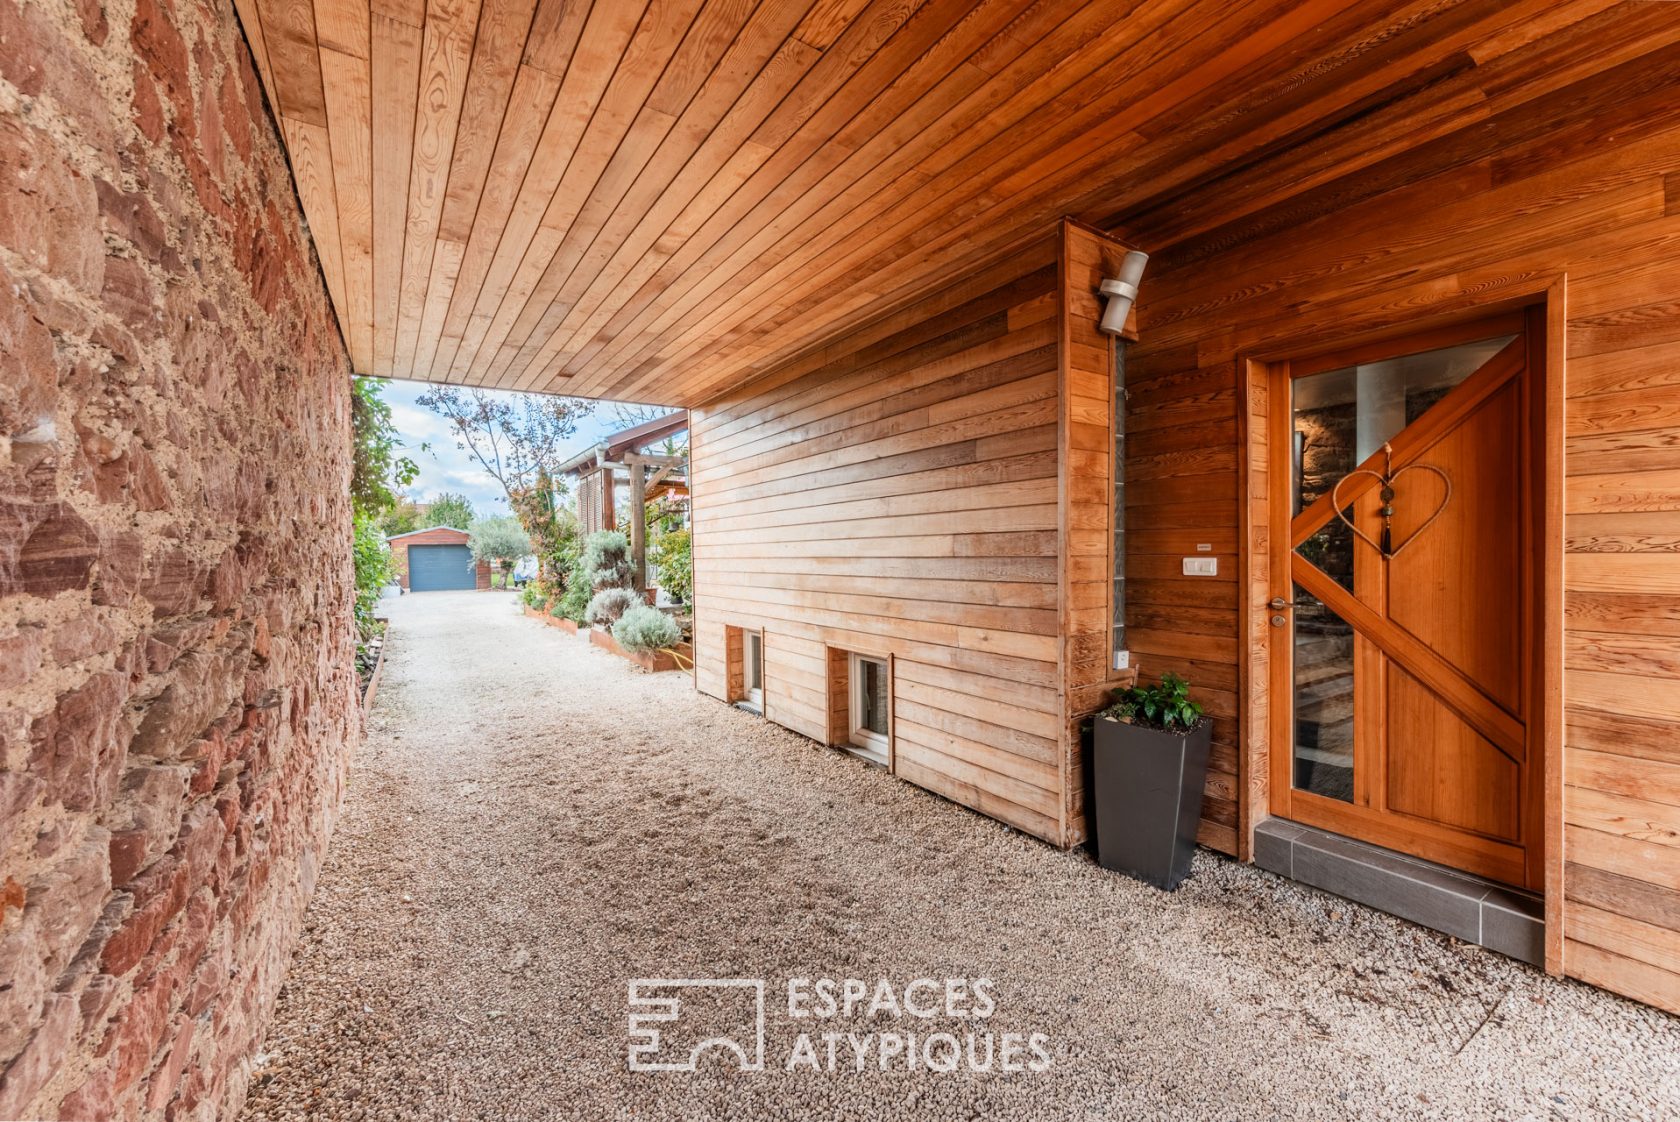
x: 1340, y: 418
x: 1323, y: 687
x: 872, y: 696
x: 755, y: 661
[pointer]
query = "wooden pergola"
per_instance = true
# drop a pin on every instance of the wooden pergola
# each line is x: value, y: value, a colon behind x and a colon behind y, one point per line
x: 597, y: 470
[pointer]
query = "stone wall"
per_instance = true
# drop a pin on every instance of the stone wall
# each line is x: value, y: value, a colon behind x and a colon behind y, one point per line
x: 177, y: 698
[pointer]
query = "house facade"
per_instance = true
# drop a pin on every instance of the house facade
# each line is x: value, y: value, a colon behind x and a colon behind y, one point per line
x: 992, y: 500
x: 1386, y: 463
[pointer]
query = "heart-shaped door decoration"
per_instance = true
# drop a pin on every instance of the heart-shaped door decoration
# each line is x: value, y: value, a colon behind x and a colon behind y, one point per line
x: 1386, y: 480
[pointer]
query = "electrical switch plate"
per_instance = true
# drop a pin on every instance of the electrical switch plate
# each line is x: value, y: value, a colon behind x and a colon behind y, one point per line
x: 1201, y: 566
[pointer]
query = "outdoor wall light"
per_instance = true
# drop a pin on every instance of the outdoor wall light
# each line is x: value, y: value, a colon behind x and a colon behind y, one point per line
x: 1122, y: 292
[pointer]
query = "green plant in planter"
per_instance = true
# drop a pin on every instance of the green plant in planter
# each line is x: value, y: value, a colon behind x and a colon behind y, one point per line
x: 606, y: 559
x: 1166, y: 706
x: 575, y: 602
x: 642, y: 629
x: 609, y: 604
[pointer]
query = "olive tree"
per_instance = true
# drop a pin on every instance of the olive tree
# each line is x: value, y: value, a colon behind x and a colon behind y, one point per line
x: 500, y: 541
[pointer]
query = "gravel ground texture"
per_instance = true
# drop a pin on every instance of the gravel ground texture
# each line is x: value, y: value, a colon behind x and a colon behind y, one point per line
x: 533, y: 823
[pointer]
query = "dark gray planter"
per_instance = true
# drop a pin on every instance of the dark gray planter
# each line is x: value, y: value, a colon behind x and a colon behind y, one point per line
x: 1148, y: 793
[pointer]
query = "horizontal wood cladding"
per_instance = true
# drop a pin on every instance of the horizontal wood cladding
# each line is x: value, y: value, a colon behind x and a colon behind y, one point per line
x: 1428, y: 209
x: 899, y: 497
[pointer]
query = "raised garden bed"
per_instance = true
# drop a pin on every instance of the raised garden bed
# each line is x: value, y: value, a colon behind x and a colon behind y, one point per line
x: 561, y: 622
x: 681, y: 659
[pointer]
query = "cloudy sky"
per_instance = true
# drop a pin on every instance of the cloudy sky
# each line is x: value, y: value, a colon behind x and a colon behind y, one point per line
x: 443, y: 467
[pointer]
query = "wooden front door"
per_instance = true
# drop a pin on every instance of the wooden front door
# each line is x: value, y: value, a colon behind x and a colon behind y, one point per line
x: 1409, y: 663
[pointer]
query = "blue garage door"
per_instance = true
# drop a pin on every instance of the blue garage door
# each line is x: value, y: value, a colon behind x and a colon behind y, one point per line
x: 435, y: 567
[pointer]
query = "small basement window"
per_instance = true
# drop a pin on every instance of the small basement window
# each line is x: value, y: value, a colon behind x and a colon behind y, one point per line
x: 870, y: 707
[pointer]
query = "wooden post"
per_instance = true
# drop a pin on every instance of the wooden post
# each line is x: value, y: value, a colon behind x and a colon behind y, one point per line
x: 638, y: 525
x: 609, y: 513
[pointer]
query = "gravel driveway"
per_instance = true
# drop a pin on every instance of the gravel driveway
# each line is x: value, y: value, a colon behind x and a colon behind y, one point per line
x: 533, y: 823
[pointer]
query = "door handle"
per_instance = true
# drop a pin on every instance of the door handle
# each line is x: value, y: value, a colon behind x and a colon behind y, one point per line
x: 1277, y: 605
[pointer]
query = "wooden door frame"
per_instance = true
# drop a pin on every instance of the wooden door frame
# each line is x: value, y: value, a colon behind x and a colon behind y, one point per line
x: 1255, y: 371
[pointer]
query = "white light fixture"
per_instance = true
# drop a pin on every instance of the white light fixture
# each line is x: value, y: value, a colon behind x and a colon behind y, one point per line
x: 1122, y: 292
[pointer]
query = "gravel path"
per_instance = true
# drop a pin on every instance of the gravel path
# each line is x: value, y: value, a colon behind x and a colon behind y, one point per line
x: 533, y: 822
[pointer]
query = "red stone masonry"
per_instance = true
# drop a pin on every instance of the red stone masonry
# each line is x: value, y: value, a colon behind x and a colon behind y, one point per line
x: 177, y: 699
x: 437, y: 535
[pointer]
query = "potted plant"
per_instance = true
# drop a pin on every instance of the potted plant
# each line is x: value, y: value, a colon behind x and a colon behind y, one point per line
x: 1151, y: 756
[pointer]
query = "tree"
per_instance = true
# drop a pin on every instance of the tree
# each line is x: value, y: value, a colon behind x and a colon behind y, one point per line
x: 450, y: 510
x: 673, y: 558
x: 400, y: 519
x: 499, y: 541
x: 514, y: 437
x: 377, y: 472
x: 377, y: 475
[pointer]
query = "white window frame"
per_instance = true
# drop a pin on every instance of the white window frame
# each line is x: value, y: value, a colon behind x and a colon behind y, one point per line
x: 867, y: 742
x: 752, y: 673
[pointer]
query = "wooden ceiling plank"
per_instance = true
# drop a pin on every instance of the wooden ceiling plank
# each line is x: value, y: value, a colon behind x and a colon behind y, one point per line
x: 1032, y: 173
x: 412, y: 12
x: 446, y: 266
x: 486, y: 110
x: 724, y: 161
x: 555, y: 30
x: 343, y: 26
x: 503, y: 26
x: 447, y: 49
x: 1641, y: 99
x: 529, y: 107
x: 703, y: 118
x: 601, y: 43
x: 289, y: 35
x: 712, y: 34
x: 350, y: 134
x: 396, y: 79
x: 829, y: 96
x: 1019, y: 86
x: 816, y: 82
x: 250, y: 20
x: 311, y: 157
x: 939, y: 207
x: 936, y: 65
x: 686, y: 200
x: 1025, y: 100
x: 888, y: 158
x: 636, y: 73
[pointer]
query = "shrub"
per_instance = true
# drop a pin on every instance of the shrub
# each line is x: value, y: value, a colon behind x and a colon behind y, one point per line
x: 372, y: 559
x: 673, y: 556
x: 1166, y: 706
x: 557, y: 609
x: 609, y: 604
x: 606, y: 560
x: 642, y: 629
x: 575, y: 601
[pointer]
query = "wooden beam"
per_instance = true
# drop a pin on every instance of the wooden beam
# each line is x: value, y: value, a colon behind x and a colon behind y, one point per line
x: 638, y: 525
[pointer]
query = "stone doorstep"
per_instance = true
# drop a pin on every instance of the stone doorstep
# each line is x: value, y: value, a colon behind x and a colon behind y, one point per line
x: 1468, y: 907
